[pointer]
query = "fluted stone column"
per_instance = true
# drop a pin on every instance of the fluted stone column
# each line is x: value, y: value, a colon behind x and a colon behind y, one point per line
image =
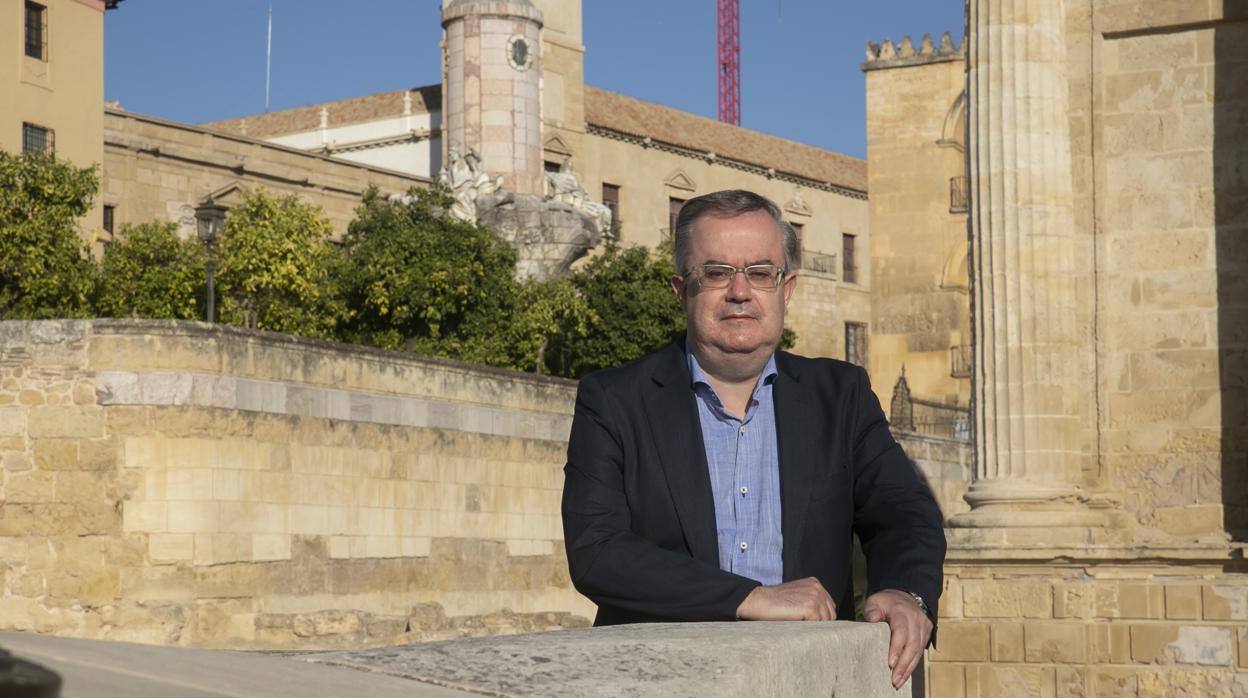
x: 1027, y: 382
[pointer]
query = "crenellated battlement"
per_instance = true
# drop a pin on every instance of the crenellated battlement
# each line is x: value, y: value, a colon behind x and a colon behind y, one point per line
x: 890, y: 55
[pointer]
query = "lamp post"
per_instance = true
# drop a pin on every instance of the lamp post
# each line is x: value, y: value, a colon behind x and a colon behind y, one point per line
x: 210, y: 218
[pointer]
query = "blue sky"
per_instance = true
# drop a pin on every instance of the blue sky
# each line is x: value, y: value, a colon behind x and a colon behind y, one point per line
x: 196, y: 61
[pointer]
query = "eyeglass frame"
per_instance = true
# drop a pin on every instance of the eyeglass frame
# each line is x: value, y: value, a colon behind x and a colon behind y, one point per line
x: 700, y: 271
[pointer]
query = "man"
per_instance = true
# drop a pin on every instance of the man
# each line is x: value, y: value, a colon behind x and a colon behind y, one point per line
x: 721, y: 479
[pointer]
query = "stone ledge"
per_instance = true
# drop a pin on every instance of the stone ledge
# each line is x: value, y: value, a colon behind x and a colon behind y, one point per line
x: 676, y: 659
x: 686, y: 659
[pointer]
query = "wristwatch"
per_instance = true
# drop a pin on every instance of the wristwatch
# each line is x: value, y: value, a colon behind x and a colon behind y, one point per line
x: 919, y: 600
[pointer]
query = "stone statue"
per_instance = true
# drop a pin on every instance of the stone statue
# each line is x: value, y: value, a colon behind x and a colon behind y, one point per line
x: 564, y: 187
x: 468, y: 182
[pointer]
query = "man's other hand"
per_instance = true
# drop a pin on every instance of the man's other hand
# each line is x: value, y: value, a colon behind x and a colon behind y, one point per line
x: 800, y: 599
x: 908, y: 625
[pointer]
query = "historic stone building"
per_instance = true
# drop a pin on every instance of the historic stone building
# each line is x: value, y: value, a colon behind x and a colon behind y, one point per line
x: 643, y: 160
x: 1106, y: 139
x: 53, y: 86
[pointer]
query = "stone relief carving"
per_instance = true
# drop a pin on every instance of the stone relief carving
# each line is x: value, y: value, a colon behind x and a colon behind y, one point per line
x: 468, y: 182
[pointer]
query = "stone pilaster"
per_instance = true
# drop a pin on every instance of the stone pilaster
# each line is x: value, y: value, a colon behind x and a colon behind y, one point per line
x: 1026, y: 377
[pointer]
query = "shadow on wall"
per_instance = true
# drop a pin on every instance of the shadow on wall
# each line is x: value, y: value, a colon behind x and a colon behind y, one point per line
x: 1230, y: 182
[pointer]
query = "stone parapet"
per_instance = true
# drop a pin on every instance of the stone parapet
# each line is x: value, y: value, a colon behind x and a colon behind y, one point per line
x: 184, y: 483
x: 688, y: 659
x: 890, y: 55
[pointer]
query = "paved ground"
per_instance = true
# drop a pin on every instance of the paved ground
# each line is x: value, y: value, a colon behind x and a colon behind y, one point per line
x: 97, y: 669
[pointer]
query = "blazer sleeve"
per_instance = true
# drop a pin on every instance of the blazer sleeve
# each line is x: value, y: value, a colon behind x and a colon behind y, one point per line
x: 609, y: 562
x: 895, y: 515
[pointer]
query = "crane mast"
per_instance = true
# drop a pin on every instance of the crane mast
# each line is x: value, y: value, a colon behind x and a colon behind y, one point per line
x: 729, y: 12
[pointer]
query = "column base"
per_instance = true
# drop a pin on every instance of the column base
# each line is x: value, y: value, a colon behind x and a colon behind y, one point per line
x: 1022, y: 504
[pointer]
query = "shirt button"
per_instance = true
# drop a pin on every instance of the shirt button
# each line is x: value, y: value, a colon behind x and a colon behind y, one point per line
x: 744, y: 545
x: 744, y: 490
x: 742, y: 428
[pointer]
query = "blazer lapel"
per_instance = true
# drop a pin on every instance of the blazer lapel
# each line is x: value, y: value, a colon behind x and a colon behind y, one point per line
x: 674, y: 426
x: 796, y: 423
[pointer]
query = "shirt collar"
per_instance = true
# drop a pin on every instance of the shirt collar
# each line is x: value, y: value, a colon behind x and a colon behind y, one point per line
x: 699, y: 377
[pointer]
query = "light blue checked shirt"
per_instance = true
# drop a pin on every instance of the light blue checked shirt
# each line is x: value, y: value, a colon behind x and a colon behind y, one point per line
x: 744, y: 466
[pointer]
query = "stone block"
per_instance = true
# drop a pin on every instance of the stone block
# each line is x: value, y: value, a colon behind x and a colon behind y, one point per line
x: 1073, y: 600
x: 962, y: 642
x: 1055, y: 643
x: 117, y: 388
x: 1139, y: 600
x: 16, y: 461
x: 144, y: 517
x: 1149, y: 641
x: 1183, y: 602
x: 193, y: 517
x: 987, y: 680
x: 12, y: 421
x: 1110, y: 643
x: 1189, y: 520
x: 1242, y: 642
x: 1206, y: 645
x: 65, y: 422
x: 1225, y: 602
x: 56, y: 454
x: 1001, y: 598
x: 267, y: 547
x: 99, y: 586
x: 171, y: 547
x: 946, y: 680
x: 29, y: 487
x: 1007, y: 642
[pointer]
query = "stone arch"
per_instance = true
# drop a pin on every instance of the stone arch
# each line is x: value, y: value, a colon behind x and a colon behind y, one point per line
x: 953, y: 275
x: 953, y: 135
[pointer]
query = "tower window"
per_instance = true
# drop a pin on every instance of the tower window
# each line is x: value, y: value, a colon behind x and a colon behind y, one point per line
x: 611, y: 199
x: 36, y: 31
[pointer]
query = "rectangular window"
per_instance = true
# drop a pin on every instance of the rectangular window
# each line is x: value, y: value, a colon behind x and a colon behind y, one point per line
x: 856, y: 343
x: 37, y: 138
x: 36, y: 31
x: 108, y: 218
x: 798, y: 229
x: 552, y: 167
x: 849, y: 262
x: 611, y: 199
x: 673, y: 210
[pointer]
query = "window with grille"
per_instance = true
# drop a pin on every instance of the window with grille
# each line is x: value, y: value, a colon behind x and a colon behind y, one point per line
x: 36, y: 31
x: 37, y: 139
x: 849, y: 261
x: 611, y: 199
x: 856, y: 343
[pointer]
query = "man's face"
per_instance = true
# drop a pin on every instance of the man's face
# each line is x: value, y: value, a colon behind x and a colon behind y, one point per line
x: 739, y: 319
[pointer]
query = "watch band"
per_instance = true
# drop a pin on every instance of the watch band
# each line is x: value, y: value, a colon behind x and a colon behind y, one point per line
x: 919, y: 600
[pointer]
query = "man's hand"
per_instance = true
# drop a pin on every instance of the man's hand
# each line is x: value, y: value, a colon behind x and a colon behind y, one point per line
x: 801, y: 599
x: 909, y: 626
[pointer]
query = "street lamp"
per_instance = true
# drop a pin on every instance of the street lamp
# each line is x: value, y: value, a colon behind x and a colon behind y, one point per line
x: 210, y: 217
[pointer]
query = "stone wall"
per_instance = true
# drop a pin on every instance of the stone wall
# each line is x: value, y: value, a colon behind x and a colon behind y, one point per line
x: 160, y: 170
x: 183, y: 483
x: 915, y: 147
x: 944, y: 462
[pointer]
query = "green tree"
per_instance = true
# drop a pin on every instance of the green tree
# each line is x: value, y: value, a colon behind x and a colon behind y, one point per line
x: 150, y: 272
x: 274, y: 267
x: 547, y: 312
x: 634, y: 311
x: 45, y: 269
x: 417, y: 279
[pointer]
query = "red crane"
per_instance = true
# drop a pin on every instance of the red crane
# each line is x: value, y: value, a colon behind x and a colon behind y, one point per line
x: 730, y: 61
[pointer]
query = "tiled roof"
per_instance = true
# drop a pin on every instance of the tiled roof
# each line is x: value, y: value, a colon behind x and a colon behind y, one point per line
x: 342, y: 112
x: 604, y: 109
x: 617, y: 112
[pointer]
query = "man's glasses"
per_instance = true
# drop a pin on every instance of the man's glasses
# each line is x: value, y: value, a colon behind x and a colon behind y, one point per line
x: 764, y: 277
